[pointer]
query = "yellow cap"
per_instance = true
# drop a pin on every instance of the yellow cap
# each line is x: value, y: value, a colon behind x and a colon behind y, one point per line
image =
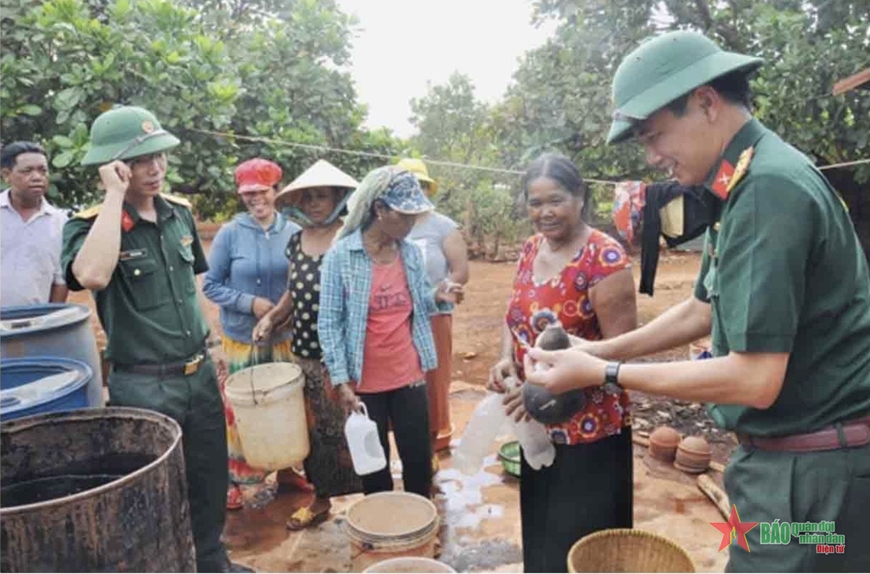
x: 418, y: 168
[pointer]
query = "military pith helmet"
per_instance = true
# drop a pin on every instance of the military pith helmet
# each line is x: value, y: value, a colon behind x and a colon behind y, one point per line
x: 664, y: 68
x: 126, y: 132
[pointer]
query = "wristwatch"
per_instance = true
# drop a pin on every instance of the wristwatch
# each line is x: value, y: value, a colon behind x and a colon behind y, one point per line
x: 611, y: 378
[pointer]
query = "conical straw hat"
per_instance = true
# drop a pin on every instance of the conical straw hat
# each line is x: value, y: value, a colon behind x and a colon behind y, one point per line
x: 321, y: 174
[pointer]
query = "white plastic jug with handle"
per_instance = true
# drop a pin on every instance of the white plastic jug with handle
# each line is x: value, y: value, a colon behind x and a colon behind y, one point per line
x: 365, y: 447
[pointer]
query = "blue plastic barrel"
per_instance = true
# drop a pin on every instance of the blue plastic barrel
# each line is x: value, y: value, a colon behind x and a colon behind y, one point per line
x: 37, y: 385
x: 53, y: 330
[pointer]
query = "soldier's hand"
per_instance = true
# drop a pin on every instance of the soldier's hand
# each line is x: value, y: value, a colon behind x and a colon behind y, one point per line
x: 565, y: 370
x: 261, y: 306
x: 115, y: 177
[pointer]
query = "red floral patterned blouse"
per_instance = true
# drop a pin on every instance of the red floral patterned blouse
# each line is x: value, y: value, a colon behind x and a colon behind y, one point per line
x: 565, y: 298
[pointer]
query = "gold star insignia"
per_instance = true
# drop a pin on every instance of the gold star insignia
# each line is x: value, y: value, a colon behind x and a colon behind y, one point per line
x: 742, y: 166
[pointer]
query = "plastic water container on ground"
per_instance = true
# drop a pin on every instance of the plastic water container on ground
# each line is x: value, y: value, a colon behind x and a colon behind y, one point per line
x: 269, y: 405
x: 37, y: 385
x: 408, y: 565
x: 53, y: 330
x: 390, y: 525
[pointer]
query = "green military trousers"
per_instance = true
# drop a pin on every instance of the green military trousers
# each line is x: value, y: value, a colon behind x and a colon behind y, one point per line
x: 800, y: 488
x: 195, y: 403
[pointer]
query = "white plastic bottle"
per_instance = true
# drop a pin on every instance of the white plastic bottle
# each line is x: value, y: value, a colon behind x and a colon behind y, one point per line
x: 538, y: 449
x: 363, y: 443
x: 480, y: 433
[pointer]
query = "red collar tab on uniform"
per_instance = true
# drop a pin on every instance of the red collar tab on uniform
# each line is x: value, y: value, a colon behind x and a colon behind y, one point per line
x: 719, y: 185
x: 127, y: 221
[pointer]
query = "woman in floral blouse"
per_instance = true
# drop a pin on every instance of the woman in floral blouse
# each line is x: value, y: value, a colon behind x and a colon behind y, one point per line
x: 576, y: 275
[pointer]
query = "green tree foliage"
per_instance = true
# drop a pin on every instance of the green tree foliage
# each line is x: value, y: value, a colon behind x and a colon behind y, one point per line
x: 563, y: 88
x: 264, y: 68
x: 66, y: 61
x: 560, y: 97
x: 563, y: 98
x: 453, y: 126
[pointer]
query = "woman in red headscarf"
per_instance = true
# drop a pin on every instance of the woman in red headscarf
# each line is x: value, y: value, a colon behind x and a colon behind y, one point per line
x: 247, y: 275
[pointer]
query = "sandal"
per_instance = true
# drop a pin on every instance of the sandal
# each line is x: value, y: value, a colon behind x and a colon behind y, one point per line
x: 235, y: 500
x: 303, y: 518
x: 290, y: 480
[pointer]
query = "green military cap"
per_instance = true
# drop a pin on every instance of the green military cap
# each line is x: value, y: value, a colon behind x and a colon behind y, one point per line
x: 126, y: 132
x: 662, y: 69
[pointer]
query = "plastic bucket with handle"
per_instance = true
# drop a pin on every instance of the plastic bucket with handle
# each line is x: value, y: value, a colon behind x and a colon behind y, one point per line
x: 269, y: 405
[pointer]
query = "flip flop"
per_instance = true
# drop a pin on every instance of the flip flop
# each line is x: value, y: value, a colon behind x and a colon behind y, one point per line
x: 235, y: 500
x: 303, y: 518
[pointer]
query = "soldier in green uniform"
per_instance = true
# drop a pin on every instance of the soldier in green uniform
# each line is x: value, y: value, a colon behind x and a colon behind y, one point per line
x: 784, y: 289
x: 138, y: 252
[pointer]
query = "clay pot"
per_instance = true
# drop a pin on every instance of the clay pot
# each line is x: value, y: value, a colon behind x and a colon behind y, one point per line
x: 693, y: 455
x: 663, y: 443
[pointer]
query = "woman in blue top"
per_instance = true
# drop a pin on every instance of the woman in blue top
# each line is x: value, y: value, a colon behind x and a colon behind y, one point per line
x: 374, y: 324
x: 246, y: 277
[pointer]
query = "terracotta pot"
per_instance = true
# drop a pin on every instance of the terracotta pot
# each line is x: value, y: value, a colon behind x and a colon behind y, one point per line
x: 693, y: 455
x: 663, y: 443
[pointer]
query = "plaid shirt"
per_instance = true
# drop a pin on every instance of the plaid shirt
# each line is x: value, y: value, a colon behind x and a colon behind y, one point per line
x: 346, y: 282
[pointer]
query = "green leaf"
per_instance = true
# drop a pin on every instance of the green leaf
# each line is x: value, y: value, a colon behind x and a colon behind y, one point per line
x: 68, y: 98
x: 62, y: 159
x: 30, y: 110
x: 121, y: 9
x: 63, y: 141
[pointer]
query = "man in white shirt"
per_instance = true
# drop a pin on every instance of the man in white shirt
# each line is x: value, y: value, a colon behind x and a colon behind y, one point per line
x: 32, y: 230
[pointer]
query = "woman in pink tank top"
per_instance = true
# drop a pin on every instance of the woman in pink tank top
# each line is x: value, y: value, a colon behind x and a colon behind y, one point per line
x: 374, y: 321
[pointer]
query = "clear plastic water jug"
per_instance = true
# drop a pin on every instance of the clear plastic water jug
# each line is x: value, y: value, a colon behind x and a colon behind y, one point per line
x: 365, y: 447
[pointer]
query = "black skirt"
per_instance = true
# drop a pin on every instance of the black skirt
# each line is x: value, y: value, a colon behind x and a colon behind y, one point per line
x: 588, y: 488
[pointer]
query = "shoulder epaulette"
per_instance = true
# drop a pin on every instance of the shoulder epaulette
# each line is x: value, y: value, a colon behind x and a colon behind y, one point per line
x: 176, y: 200
x: 89, y: 212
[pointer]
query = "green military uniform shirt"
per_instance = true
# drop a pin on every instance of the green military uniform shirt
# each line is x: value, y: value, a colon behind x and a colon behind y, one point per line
x: 784, y: 273
x: 150, y: 309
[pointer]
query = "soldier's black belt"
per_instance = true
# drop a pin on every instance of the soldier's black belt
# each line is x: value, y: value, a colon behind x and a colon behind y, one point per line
x: 186, y: 368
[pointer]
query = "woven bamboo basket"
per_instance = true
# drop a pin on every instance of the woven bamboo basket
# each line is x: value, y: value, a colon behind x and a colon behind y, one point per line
x: 627, y: 550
